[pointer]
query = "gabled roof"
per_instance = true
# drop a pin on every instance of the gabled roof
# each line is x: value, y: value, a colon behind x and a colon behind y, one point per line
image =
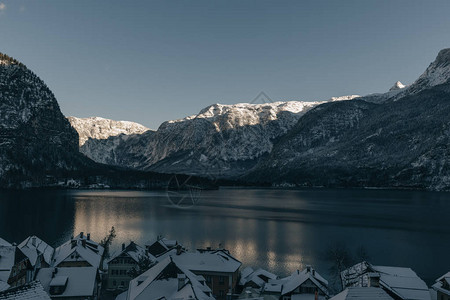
x: 30, y: 291
x: 160, y: 246
x: 4, y: 243
x: 161, y: 282
x: 439, y: 285
x: 81, y: 281
x: 402, y: 282
x: 206, y: 261
x: 7, y: 257
x: 298, y: 278
x: 92, y: 252
x: 256, y: 276
x: 362, y: 293
x: 33, y: 246
x: 134, y: 251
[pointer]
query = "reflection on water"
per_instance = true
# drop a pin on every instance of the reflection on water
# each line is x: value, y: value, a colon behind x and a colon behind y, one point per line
x: 277, y: 229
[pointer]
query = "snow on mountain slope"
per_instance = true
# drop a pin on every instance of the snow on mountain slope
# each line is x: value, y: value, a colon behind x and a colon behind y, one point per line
x: 100, y: 128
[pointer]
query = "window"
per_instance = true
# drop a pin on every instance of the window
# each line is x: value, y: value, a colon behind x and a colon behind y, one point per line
x: 122, y: 283
x: 208, y: 279
x: 114, y: 283
x: 222, y: 280
x: 221, y: 293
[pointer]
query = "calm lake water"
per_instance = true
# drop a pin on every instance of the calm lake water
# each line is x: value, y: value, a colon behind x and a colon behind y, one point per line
x: 275, y: 229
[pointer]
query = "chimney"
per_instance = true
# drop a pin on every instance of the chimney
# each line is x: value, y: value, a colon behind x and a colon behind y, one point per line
x: 74, y: 243
x: 83, y: 243
x: 308, y: 269
x: 179, y: 249
x: 33, y: 241
x: 88, y: 236
x: 123, y: 246
x: 181, y: 280
x: 81, y: 234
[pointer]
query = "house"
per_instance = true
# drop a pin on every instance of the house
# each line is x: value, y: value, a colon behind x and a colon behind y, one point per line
x: 442, y: 287
x: 79, y: 251
x: 123, y: 262
x: 38, y: 252
x: 160, y: 246
x: 306, y: 284
x: 74, y: 283
x: 362, y: 293
x: 218, y: 267
x: 400, y: 283
x: 255, y: 279
x: 15, y: 267
x: 29, y: 291
x: 167, y: 280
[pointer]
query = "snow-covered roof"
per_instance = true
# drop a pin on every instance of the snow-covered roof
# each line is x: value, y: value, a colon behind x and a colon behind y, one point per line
x: 400, y: 281
x: 298, y: 278
x: 134, y: 251
x: 274, y: 285
x: 258, y: 277
x: 81, y: 281
x: 7, y: 257
x: 403, y: 282
x: 30, y: 291
x: 33, y: 246
x: 362, y: 293
x: 162, y: 281
x: 4, y: 242
x: 83, y: 250
x: 3, y: 286
x: 206, y: 261
x: 439, y: 285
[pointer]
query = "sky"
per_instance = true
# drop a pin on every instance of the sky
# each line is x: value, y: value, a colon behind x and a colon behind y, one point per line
x: 152, y: 61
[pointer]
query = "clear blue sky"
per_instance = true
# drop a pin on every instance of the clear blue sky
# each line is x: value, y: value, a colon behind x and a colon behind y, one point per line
x: 151, y: 61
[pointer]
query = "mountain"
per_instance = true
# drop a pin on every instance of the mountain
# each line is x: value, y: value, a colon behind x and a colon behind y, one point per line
x: 399, y: 142
x: 36, y: 139
x: 221, y: 140
x: 438, y: 72
x: 40, y: 148
x: 100, y: 128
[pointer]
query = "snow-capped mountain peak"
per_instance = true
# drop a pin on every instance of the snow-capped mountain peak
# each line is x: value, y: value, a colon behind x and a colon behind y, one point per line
x: 397, y: 86
x: 100, y: 128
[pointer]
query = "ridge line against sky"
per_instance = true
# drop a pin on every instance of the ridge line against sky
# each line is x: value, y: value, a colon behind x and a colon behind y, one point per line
x: 152, y: 61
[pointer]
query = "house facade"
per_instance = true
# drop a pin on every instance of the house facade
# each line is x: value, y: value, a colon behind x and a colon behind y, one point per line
x: 121, y: 264
x: 15, y: 267
x: 442, y: 287
x: 219, y: 269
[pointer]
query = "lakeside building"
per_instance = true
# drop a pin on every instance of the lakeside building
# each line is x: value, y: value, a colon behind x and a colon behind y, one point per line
x: 255, y: 279
x: 38, y: 252
x: 167, y: 280
x: 160, y: 246
x: 306, y: 284
x: 79, y: 251
x: 120, y: 265
x: 399, y: 282
x: 219, y: 268
x: 15, y: 267
x: 442, y: 287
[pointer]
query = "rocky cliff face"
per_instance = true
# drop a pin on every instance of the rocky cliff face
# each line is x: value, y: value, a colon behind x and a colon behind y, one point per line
x: 101, y: 129
x: 398, y: 143
x: 36, y: 139
x: 221, y: 139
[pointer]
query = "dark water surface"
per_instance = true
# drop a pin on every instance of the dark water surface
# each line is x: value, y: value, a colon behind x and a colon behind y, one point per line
x: 276, y: 229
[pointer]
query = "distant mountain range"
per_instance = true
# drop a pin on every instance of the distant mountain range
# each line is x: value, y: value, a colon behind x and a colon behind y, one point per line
x: 395, y: 139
